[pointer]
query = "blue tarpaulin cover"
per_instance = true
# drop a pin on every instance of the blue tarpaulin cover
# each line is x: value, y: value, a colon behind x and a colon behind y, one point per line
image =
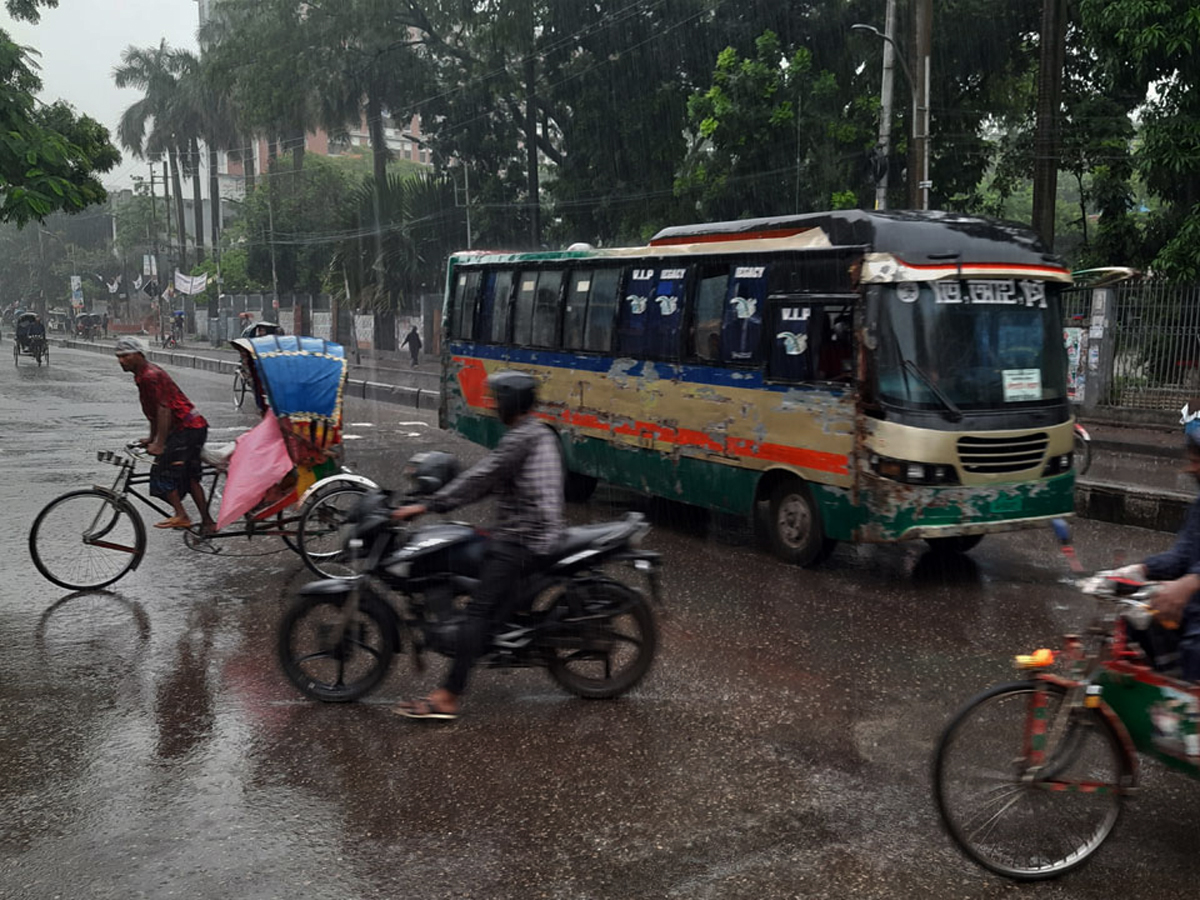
x: 302, y: 377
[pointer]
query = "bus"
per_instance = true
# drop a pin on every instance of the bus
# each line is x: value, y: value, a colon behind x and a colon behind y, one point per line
x: 840, y: 376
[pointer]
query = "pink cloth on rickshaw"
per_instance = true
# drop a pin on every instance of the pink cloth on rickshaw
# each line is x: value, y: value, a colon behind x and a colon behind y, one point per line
x: 259, y: 461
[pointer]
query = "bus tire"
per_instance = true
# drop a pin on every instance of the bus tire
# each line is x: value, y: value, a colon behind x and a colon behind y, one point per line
x: 959, y: 543
x: 578, y: 488
x: 794, y: 526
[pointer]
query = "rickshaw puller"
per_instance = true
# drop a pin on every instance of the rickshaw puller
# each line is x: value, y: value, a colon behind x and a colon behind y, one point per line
x: 177, y: 434
x: 526, y: 471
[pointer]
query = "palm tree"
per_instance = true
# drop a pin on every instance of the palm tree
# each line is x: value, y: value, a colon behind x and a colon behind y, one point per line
x: 203, y: 86
x: 154, y: 125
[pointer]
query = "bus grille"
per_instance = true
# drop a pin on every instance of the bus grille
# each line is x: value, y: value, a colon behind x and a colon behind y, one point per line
x: 992, y: 455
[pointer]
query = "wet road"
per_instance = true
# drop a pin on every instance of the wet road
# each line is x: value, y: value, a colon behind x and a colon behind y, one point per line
x: 780, y: 747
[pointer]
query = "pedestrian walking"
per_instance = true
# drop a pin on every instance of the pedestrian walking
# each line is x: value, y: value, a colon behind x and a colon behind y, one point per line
x: 412, y: 340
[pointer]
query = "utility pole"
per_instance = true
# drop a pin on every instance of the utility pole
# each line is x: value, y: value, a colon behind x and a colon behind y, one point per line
x: 167, y: 200
x: 1045, y: 141
x: 919, y: 183
x: 885, y: 105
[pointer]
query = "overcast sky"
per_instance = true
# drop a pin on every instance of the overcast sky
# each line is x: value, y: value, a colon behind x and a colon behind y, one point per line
x: 80, y: 45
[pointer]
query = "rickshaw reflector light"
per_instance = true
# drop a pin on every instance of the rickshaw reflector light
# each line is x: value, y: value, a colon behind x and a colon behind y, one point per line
x: 1092, y: 701
x: 1038, y: 659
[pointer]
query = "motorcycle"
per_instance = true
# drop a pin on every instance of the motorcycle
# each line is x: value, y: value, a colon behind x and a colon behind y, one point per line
x: 595, y: 634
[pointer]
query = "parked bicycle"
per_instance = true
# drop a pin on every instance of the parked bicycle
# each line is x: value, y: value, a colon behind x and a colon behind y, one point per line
x: 1030, y: 777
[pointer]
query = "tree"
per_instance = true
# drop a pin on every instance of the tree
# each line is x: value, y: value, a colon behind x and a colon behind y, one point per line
x: 768, y: 122
x: 421, y: 226
x: 1142, y: 46
x: 49, y: 155
x: 157, y: 124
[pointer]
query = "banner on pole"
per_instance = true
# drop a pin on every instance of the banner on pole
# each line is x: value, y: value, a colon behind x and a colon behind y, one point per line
x: 190, y: 284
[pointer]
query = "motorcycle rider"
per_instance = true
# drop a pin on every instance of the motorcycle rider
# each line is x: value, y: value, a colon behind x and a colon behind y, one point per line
x: 526, y: 471
x: 1177, y: 599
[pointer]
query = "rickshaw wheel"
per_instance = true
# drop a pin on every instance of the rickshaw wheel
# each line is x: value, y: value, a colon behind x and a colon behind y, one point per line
x: 1028, y: 829
x: 86, y: 539
x: 321, y: 520
x: 240, y: 388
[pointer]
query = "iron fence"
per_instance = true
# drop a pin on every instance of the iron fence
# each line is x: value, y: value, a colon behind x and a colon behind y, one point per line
x: 1151, y: 358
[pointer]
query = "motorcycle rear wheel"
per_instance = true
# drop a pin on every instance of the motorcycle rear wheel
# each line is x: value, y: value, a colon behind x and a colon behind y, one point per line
x: 617, y: 626
x: 325, y: 668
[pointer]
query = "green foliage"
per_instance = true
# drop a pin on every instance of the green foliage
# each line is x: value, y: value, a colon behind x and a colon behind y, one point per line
x: 28, y: 9
x: 49, y: 155
x: 772, y: 135
x: 419, y: 226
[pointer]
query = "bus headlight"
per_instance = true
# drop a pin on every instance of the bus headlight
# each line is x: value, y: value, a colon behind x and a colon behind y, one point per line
x: 913, y: 472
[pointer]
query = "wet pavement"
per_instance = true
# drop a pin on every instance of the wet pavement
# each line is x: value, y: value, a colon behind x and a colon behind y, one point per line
x: 149, y: 746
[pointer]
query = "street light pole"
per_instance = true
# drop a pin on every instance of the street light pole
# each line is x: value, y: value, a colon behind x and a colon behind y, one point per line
x: 892, y: 54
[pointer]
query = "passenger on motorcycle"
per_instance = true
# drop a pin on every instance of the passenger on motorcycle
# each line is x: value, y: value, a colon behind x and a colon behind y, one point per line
x: 1177, y: 600
x: 526, y: 471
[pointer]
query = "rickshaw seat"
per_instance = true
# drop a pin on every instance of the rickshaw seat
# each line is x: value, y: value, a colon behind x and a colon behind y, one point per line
x: 218, y: 455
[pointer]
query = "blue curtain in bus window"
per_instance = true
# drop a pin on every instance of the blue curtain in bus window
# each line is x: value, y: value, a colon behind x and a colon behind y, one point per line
x: 633, y: 318
x: 792, y: 343
x: 665, y: 313
x: 741, y: 331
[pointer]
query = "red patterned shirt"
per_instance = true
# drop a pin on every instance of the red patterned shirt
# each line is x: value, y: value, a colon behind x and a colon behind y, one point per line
x: 156, y: 388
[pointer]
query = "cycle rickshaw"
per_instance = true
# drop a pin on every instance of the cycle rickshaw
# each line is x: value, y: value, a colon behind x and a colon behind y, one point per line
x: 30, y: 339
x: 89, y: 538
x: 243, y: 380
x: 1030, y: 777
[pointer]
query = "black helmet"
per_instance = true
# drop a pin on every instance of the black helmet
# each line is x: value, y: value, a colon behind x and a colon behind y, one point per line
x: 431, y: 470
x: 515, y: 394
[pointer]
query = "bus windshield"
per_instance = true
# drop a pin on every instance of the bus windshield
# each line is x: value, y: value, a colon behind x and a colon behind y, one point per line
x: 971, y: 345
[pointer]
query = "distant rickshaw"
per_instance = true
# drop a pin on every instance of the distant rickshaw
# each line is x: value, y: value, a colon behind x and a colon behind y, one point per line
x: 88, y: 326
x: 243, y: 379
x: 30, y: 339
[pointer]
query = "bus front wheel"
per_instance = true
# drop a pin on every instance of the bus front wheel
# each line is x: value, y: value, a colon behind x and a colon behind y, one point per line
x: 959, y: 543
x: 793, y: 525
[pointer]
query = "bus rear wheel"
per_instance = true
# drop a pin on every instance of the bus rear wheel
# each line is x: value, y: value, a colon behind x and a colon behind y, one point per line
x: 793, y: 525
x: 578, y: 488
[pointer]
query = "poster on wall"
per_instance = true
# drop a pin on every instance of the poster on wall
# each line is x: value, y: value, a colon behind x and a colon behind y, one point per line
x: 1075, y: 343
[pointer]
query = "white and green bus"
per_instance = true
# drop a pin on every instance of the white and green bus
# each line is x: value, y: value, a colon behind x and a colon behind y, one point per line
x: 840, y: 376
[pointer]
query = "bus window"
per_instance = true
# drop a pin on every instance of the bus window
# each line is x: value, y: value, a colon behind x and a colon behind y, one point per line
x: 710, y: 304
x: 648, y: 322
x: 500, y: 300
x: 545, y: 309
x: 601, y: 310
x: 523, y: 313
x: 466, y: 296
x: 810, y: 342
x: 575, y: 311
x: 741, y: 330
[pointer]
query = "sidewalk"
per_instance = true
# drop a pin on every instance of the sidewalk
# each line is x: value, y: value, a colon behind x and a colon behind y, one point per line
x: 387, y: 381
x: 1135, y: 477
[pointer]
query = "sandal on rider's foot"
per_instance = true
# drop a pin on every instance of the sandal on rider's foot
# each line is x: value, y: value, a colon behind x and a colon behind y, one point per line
x: 424, y: 709
x: 174, y: 522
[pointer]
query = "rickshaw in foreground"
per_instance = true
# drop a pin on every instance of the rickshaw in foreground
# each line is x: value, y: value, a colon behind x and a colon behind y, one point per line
x: 30, y: 339
x: 1030, y: 777
x: 89, y: 538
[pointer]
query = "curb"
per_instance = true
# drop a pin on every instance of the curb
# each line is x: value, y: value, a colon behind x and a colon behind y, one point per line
x: 403, y: 395
x: 1124, y: 504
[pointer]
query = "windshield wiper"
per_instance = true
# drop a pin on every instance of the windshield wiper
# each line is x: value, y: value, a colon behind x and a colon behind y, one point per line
x: 955, y: 414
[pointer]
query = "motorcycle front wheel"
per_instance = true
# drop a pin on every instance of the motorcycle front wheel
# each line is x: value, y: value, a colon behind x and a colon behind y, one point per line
x: 330, y: 659
x: 607, y: 642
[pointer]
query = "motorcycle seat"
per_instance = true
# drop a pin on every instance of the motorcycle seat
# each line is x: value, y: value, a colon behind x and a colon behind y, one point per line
x: 582, y: 537
x: 218, y: 455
